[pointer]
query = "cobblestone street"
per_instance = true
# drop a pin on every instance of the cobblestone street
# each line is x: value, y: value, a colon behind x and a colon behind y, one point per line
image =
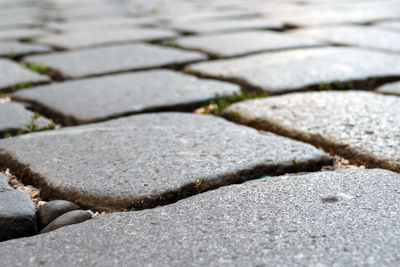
x: 199, y: 133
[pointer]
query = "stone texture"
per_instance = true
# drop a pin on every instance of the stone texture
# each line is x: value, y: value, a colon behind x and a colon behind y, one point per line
x: 344, y: 218
x: 17, y: 212
x: 371, y: 37
x: 12, y: 73
x: 389, y: 25
x: 239, y: 43
x: 53, y: 209
x: 17, y: 34
x: 361, y: 126
x: 114, y: 59
x: 390, y: 88
x: 15, y: 117
x: 282, y: 71
x: 146, y: 160
x: 17, y: 49
x: 122, y: 94
x: 96, y: 37
x: 227, y: 25
x: 69, y: 218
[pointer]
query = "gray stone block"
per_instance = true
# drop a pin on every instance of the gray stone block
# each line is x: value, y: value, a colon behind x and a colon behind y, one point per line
x: 17, y: 49
x: 390, y: 88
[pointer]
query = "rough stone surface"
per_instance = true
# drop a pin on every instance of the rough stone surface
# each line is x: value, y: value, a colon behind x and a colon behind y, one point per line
x: 342, y: 218
x: 15, y: 117
x: 17, y: 49
x: 123, y: 94
x: 96, y: 37
x: 12, y: 73
x: 17, y: 34
x: 69, y: 218
x: 390, y: 88
x: 17, y: 212
x: 227, y: 25
x: 53, y: 209
x: 371, y: 37
x: 289, y: 70
x: 145, y: 160
x: 361, y: 126
x: 114, y: 58
x: 239, y: 43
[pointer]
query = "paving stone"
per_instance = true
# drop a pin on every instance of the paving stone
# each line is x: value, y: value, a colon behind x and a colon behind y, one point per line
x: 389, y: 25
x: 17, y: 212
x: 69, y: 218
x: 93, y: 37
x: 97, y: 99
x: 343, y: 218
x: 390, y: 88
x: 15, y: 117
x: 53, y: 209
x: 114, y: 59
x: 227, y: 25
x: 277, y: 72
x: 145, y: 160
x: 239, y: 43
x: 371, y: 37
x: 12, y: 73
x: 18, y: 49
x: 361, y: 126
x: 17, y: 34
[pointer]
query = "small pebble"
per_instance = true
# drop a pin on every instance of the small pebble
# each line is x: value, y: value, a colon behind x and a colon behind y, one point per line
x: 53, y: 209
x: 72, y: 217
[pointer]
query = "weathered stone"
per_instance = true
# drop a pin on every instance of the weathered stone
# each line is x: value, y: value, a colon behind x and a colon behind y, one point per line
x: 282, y: 71
x: 69, y: 218
x: 342, y: 218
x: 114, y: 59
x: 390, y: 88
x: 15, y: 117
x: 239, y: 43
x: 12, y: 73
x: 361, y: 126
x: 12, y: 49
x: 17, y: 212
x: 96, y: 37
x: 122, y: 94
x: 53, y: 209
x: 227, y: 25
x: 146, y: 160
x: 371, y: 37
x: 17, y: 34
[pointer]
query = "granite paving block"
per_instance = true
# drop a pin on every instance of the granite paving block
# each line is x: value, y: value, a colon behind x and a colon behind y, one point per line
x: 371, y: 37
x: 344, y: 218
x: 146, y: 160
x: 96, y: 37
x: 12, y: 73
x: 17, y: 213
x: 95, y: 99
x: 17, y: 34
x: 239, y: 43
x: 361, y: 126
x: 12, y: 49
x: 114, y: 59
x: 227, y: 25
x: 277, y: 72
x: 390, y: 88
x: 15, y: 117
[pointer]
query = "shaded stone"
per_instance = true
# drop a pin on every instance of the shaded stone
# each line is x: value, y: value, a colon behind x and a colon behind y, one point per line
x: 390, y: 88
x: 114, y: 59
x: 277, y: 72
x: 371, y: 37
x: 227, y: 25
x: 146, y: 160
x: 15, y: 117
x: 69, y: 218
x: 12, y: 73
x: 122, y: 94
x: 281, y: 221
x: 239, y: 43
x: 360, y: 126
x: 96, y: 37
x: 17, y: 49
x: 17, y: 34
x: 17, y: 212
x: 53, y: 209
